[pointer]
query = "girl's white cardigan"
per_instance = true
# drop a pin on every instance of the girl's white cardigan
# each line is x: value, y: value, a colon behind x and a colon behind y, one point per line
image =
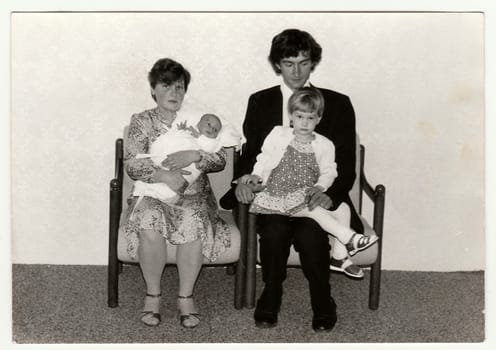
x: 275, y: 145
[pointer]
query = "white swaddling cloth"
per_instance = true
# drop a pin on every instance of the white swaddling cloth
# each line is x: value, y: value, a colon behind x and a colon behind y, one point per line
x: 180, y: 140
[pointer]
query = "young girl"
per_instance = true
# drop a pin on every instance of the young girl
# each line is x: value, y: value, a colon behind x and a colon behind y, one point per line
x: 297, y: 162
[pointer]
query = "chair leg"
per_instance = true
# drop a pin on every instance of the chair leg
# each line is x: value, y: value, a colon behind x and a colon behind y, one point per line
x: 375, y: 272
x: 239, y: 282
x: 251, y: 262
x: 238, y: 286
x: 113, y: 282
x: 375, y: 286
x: 113, y: 262
x: 231, y: 269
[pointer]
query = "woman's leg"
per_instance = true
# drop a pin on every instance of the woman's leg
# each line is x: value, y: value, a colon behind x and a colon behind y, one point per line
x: 189, y: 261
x: 152, y: 252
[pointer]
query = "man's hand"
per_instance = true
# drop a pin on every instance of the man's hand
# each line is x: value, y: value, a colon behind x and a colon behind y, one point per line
x: 317, y: 198
x: 247, y: 186
x: 244, y: 193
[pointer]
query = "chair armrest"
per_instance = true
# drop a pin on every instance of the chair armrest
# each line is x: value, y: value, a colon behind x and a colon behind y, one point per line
x: 115, y: 184
x: 115, y: 209
x: 119, y: 153
x: 378, y: 196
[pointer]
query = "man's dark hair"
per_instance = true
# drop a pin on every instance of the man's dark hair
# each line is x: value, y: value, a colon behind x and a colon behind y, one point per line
x: 290, y: 43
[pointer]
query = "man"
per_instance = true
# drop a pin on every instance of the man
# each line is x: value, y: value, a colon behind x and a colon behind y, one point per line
x: 294, y: 55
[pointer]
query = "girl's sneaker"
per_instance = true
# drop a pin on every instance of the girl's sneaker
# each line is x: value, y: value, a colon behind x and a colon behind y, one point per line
x: 359, y: 242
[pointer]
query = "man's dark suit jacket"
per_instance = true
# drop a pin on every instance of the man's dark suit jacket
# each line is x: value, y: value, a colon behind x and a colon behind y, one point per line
x: 338, y: 124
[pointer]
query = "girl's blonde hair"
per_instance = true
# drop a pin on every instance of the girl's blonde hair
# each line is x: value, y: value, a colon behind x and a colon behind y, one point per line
x: 307, y: 99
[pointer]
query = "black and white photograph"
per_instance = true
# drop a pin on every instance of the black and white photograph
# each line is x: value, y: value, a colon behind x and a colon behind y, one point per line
x: 258, y: 175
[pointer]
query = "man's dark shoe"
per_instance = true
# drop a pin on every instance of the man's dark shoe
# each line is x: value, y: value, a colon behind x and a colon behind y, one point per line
x: 323, y: 323
x: 265, y: 319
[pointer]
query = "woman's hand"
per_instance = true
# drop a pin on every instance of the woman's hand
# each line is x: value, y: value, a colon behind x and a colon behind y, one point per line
x: 317, y: 198
x: 180, y: 159
x: 173, y: 179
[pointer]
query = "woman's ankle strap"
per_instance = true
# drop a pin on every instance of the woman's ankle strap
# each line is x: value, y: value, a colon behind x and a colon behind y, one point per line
x: 183, y: 297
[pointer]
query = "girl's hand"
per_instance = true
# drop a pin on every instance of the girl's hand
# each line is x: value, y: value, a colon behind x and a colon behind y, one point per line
x: 250, y: 179
x: 180, y: 159
x: 317, y: 198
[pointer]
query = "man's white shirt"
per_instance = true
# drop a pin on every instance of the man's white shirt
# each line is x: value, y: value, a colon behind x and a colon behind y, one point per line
x: 286, y: 94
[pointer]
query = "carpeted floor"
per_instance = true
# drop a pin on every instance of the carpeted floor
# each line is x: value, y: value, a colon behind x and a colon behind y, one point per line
x: 67, y: 304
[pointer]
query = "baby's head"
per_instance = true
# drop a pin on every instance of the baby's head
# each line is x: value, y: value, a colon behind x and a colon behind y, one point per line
x: 209, y: 125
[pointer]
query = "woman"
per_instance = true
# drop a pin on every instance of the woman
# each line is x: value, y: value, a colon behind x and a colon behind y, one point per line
x: 192, y: 223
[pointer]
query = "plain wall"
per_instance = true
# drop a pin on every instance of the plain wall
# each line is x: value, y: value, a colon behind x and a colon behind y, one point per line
x: 416, y: 82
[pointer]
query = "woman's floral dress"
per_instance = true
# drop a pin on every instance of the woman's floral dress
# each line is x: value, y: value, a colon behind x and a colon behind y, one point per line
x: 195, y: 215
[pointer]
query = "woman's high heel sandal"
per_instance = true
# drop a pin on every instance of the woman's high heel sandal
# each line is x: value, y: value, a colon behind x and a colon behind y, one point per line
x: 150, y: 315
x: 354, y: 246
x: 189, y: 319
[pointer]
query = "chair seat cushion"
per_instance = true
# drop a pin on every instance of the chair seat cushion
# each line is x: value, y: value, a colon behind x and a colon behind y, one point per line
x: 230, y: 255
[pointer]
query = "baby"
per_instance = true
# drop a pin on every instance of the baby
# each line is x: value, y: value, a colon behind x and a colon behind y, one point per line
x: 203, y: 137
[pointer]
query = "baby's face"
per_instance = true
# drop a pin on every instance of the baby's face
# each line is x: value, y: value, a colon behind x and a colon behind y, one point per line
x: 209, y: 126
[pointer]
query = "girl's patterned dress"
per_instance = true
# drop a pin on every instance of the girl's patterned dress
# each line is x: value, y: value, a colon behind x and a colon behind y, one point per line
x: 194, y: 216
x: 289, y: 181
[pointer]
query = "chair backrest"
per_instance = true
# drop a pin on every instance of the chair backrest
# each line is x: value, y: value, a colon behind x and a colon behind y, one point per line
x: 221, y: 180
x: 355, y: 193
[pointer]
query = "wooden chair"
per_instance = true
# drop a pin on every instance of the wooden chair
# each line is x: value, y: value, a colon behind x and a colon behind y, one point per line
x: 120, y: 187
x: 370, y: 257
